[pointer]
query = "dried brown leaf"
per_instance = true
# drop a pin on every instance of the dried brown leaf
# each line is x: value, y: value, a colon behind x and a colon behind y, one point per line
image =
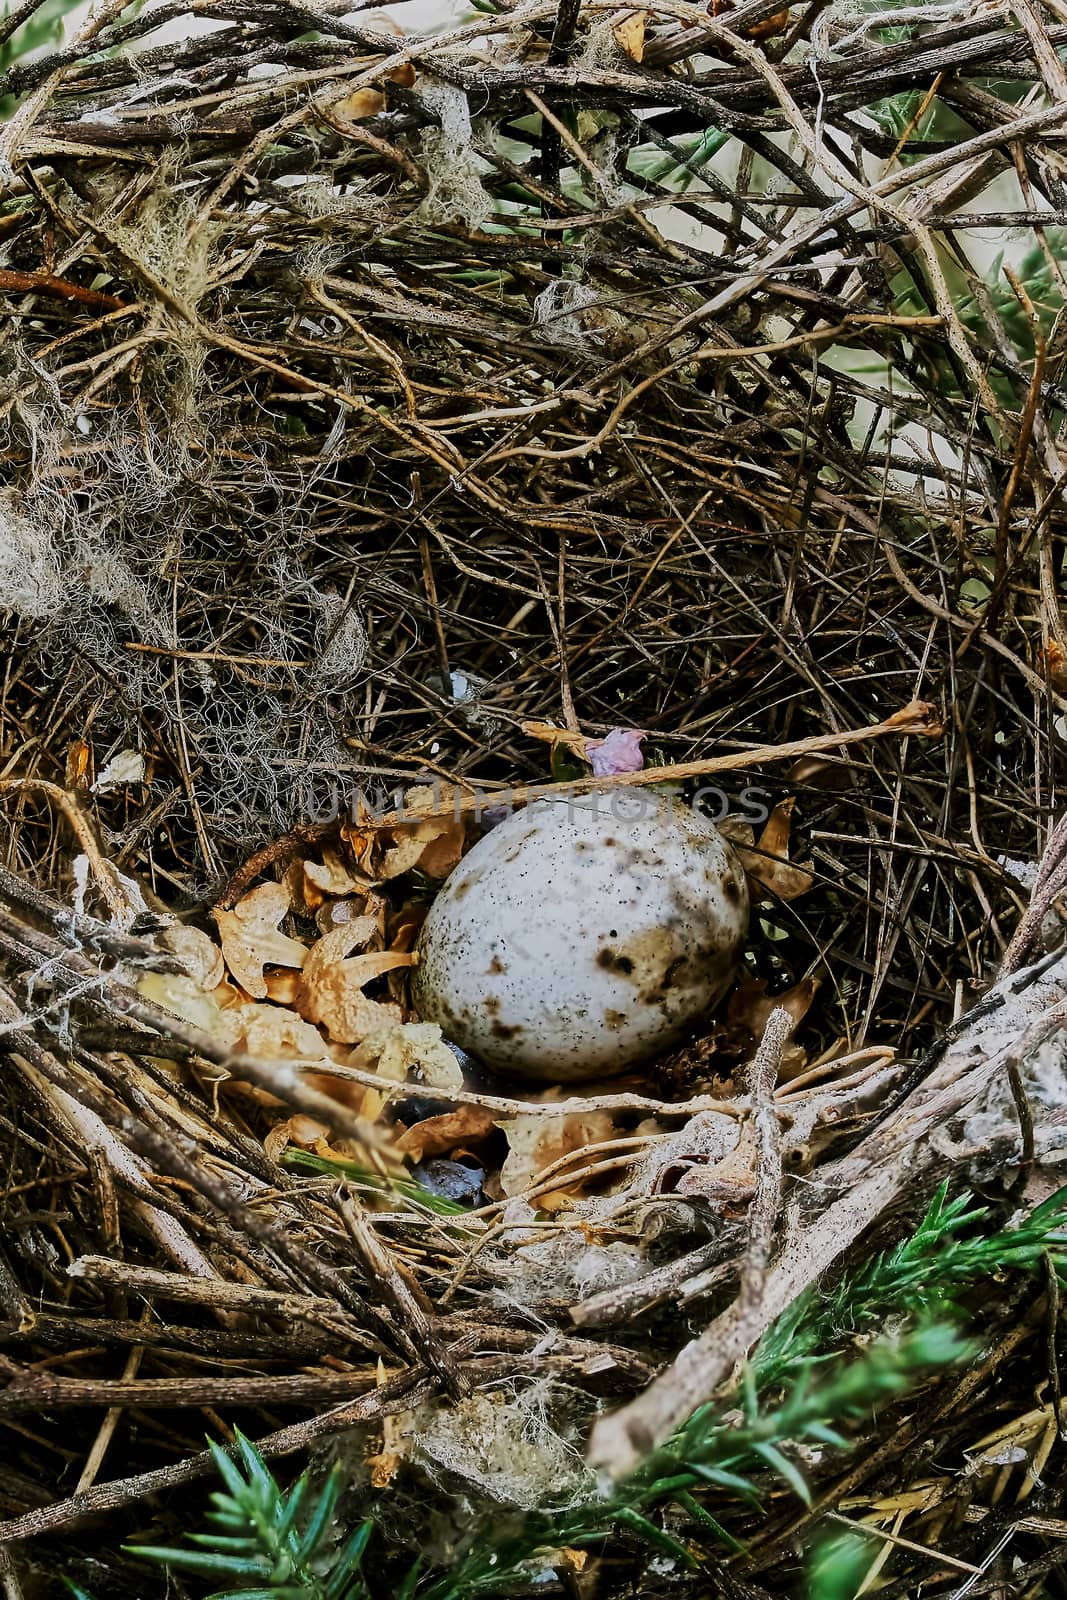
x: 629, y: 33
x: 404, y: 853
x: 535, y: 1142
x: 750, y: 1005
x: 433, y: 842
x: 362, y: 103
x: 362, y: 845
x: 331, y: 991
x: 374, y: 963
x: 768, y: 863
x: 444, y: 852
x: 76, y: 774
x: 549, y: 734
x: 403, y: 1052
x: 440, y: 1135
x: 918, y: 716
x: 301, y: 1130
x: 270, y: 1032
x: 330, y: 879
x: 197, y: 952
x: 397, y: 1436
x: 251, y: 938
x: 405, y: 930
x: 1055, y: 664
x: 770, y: 27
x: 384, y: 1466
x: 283, y: 987
x: 183, y: 996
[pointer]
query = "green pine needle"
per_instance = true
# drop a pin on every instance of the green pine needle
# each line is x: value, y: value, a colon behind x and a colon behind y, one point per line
x: 396, y: 1188
x: 290, y: 1555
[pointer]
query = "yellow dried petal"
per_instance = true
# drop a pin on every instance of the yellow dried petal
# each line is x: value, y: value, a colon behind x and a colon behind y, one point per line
x: 197, y: 952
x: 251, y: 938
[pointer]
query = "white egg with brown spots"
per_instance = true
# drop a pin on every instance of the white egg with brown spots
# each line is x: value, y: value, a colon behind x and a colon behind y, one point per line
x: 581, y: 937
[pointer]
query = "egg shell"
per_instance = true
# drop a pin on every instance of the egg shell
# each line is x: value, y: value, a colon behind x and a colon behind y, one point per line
x: 583, y: 936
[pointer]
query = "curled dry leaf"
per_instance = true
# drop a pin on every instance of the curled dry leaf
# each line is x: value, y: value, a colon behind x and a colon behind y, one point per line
x: 368, y: 101
x: 768, y: 863
x: 549, y: 734
x: 340, y: 942
x: 769, y: 28
x: 360, y: 104
x: 432, y: 842
x: 270, y: 1032
x: 331, y: 991
x: 398, y: 1434
x: 363, y: 844
x: 283, y: 987
x: 750, y: 1005
x: 438, y: 1136
x: 251, y: 938
x: 301, y: 1130
x: 535, y: 1142
x: 197, y: 952
x: 1055, y: 663
x: 404, y: 853
x: 183, y: 996
x: 442, y: 853
x: 330, y: 879
x: 76, y: 766
x: 405, y: 1052
x: 918, y: 716
x: 405, y: 930
x: 293, y: 881
x: 629, y: 31
x: 337, y: 1001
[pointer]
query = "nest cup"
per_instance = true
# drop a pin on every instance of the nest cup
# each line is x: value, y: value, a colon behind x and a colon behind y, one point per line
x: 368, y: 414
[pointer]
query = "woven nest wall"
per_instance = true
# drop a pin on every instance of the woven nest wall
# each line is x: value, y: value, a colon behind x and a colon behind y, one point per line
x: 367, y: 397
x: 364, y: 397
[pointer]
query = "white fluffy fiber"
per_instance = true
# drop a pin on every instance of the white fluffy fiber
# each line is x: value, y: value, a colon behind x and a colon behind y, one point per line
x: 90, y: 548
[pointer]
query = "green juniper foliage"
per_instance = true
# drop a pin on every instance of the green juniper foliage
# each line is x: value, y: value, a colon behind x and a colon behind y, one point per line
x: 926, y: 1271
x: 269, y: 1543
x: 716, y: 1451
x: 807, y: 1381
x: 838, y: 1566
x: 921, y: 1277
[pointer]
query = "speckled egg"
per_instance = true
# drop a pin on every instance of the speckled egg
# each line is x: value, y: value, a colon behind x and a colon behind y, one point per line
x: 580, y: 937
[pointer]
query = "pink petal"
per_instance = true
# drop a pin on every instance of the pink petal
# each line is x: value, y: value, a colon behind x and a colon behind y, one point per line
x: 619, y: 751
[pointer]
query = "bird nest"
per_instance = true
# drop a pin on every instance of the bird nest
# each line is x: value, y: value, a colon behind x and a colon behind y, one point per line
x: 387, y: 415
